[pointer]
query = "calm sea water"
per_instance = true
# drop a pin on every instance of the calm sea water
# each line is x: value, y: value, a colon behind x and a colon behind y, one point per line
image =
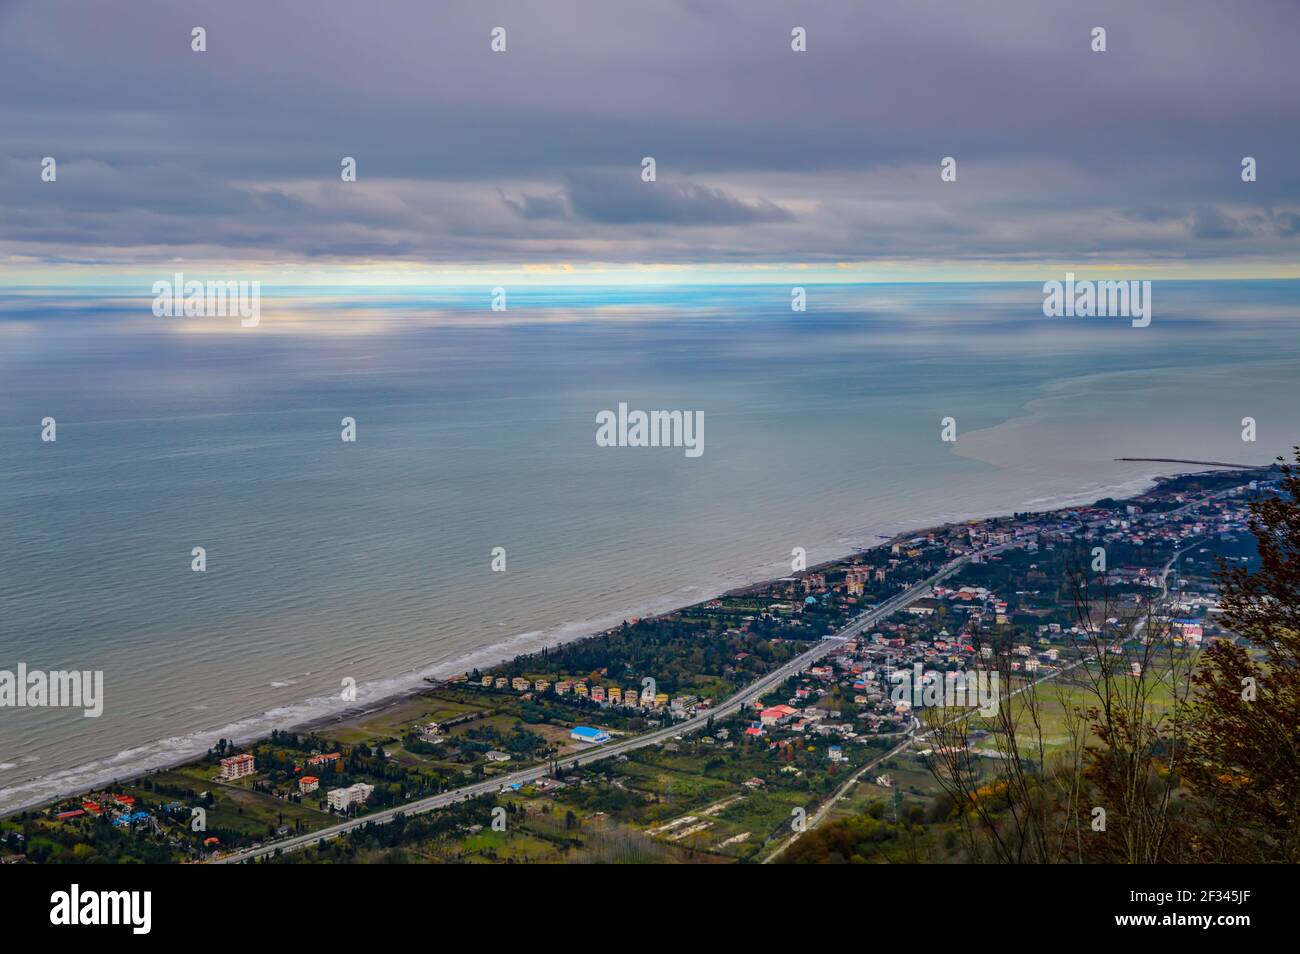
x: 371, y: 560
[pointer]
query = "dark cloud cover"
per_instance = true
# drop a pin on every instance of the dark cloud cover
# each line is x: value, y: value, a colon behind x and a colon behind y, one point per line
x: 763, y: 154
x: 628, y: 200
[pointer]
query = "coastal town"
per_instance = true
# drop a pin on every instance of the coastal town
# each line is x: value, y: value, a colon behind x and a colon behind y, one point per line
x: 720, y: 732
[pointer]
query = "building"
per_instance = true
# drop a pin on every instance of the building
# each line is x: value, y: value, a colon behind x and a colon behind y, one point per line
x: 237, y: 766
x: 924, y: 607
x: 497, y: 756
x: 585, y: 733
x: 325, y: 759
x: 308, y: 783
x: 431, y: 733
x: 1190, y: 629
x: 814, y: 583
x: 857, y: 574
x: 341, y: 799
x: 776, y: 714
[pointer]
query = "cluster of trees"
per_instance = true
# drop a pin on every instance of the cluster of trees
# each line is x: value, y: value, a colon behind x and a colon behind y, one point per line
x: 874, y: 837
x: 94, y: 841
x: 518, y: 741
x: 393, y: 841
x: 669, y: 650
x: 1243, y: 738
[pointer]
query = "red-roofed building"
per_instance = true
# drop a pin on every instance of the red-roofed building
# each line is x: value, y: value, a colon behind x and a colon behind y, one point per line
x: 776, y: 714
x: 238, y: 766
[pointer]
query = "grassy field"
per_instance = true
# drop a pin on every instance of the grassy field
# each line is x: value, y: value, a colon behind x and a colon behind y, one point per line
x: 1059, y: 700
x: 237, y: 807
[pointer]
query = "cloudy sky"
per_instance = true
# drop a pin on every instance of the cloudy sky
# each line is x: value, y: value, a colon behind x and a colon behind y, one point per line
x: 767, y: 159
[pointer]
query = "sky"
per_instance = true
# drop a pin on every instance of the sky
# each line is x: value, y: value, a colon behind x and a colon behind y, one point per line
x: 769, y: 162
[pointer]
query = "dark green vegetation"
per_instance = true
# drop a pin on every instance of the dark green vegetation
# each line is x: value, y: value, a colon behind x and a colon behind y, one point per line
x: 991, y: 790
x: 1190, y: 761
x: 718, y: 798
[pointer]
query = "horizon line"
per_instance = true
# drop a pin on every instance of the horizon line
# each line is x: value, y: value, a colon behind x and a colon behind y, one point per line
x: 293, y: 275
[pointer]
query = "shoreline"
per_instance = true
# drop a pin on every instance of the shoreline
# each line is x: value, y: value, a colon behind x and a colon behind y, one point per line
x: 88, y: 777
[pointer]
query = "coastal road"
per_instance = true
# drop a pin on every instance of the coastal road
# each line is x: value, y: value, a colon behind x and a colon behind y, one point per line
x: 744, y: 697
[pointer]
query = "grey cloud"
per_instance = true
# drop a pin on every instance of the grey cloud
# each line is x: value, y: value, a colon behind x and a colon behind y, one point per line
x: 764, y: 154
x: 539, y: 206
x: 1288, y: 223
x: 1211, y: 223
x: 627, y: 200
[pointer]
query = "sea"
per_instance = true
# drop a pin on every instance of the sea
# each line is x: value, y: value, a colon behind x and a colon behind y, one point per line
x: 371, y: 562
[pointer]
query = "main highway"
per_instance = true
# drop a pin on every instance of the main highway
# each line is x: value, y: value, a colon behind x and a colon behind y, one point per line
x: 746, y: 696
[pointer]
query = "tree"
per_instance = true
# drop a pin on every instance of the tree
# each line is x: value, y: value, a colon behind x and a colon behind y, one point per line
x: 1244, y: 737
x: 1123, y: 696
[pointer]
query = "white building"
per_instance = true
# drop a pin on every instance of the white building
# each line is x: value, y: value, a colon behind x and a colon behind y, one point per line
x: 341, y: 799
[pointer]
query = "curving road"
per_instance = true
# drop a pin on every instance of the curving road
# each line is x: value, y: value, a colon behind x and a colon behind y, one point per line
x: 735, y: 702
x: 742, y: 698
